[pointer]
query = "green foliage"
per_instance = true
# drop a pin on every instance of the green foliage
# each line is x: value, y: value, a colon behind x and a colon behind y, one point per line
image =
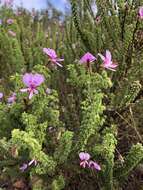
x: 64, y: 148
x: 86, y: 104
x: 58, y: 184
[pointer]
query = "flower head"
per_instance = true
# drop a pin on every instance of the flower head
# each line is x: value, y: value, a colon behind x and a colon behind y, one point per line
x: 87, y: 58
x: 84, y: 157
x: 107, y: 61
x: 94, y: 165
x: 32, y: 81
x: 12, y: 33
x: 12, y: 98
x: 141, y: 12
x: 10, y: 21
x: 1, y: 95
x: 0, y: 21
x: 53, y: 56
x: 23, y: 167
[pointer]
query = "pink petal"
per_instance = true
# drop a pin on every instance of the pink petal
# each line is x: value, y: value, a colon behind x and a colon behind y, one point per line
x: 108, y: 55
x: 94, y: 165
x: 83, y: 164
x: 84, y: 156
x: 59, y: 64
x: 35, y: 91
x: 141, y: 12
x: 102, y: 57
x: 113, y: 66
x: 1, y: 95
x: 88, y: 57
x: 32, y: 162
x: 50, y: 52
x: 30, y: 95
x: 58, y: 59
x: 108, y: 67
x: 24, y: 90
x: 37, y: 79
x: 27, y: 79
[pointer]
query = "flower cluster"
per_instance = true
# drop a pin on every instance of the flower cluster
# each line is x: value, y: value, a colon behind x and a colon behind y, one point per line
x: 86, y: 162
x: 107, y: 60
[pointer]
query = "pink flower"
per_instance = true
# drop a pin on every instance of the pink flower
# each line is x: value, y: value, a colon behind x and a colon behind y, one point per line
x: 1, y: 95
x: 12, y: 98
x: 107, y: 61
x: 12, y: 33
x: 53, y: 56
x: 84, y: 157
x: 32, y: 81
x: 87, y: 58
x: 10, y: 21
x: 141, y: 12
x: 94, y: 165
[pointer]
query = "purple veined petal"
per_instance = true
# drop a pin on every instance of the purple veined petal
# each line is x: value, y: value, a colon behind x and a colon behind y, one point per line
x: 27, y: 79
x: 35, y: 91
x: 1, y: 95
x: 108, y: 67
x: 84, y: 156
x: 12, y: 98
x: 23, y: 167
x: 31, y: 95
x: 108, y: 55
x: 24, y: 90
x: 37, y: 79
x: 101, y: 56
x: 141, y: 12
x: 50, y: 52
x: 48, y: 91
x: 58, y: 64
x: 113, y: 65
x: 60, y: 60
x: 33, y: 80
x: 94, y: 165
x: 84, y: 164
x: 88, y: 57
x: 111, y: 69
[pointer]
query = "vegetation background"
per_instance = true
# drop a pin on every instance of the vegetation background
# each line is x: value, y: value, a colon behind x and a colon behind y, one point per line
x: 88, y: 109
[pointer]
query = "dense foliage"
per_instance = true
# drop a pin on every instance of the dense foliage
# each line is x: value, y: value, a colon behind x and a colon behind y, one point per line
x: 71, y: 119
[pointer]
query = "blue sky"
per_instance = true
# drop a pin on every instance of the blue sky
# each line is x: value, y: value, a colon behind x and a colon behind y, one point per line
x: 38, y: 4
